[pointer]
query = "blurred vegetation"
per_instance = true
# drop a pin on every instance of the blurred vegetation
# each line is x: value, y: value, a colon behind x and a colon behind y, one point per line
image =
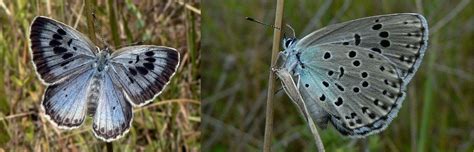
x: 436, y: 115
x: 170, y: 123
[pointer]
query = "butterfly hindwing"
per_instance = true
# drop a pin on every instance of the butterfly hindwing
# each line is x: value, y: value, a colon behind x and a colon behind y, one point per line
x: 145, y: 70
x: 360, y: 89
x: 113, y: 115
x: 402, y: 38
x: 58, y: 50
x: 65, y: 102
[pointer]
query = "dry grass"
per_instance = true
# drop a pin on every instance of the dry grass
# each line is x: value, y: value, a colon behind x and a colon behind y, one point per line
x: 170, y: 123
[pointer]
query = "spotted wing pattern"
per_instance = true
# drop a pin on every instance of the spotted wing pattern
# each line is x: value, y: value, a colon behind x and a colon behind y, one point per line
x: 58, y: 51
x: 144, y: 71
x: 357, y: 71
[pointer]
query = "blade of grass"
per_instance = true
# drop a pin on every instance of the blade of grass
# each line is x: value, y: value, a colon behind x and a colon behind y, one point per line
x: 190, y: 35
x: 427, y: 102
x: 271, y: 84
x: 113, y: 22
x: 128, y: 32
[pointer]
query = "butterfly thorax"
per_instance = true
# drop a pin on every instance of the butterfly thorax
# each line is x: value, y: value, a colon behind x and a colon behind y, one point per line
x: 102, y: 61
x: 291, y: 58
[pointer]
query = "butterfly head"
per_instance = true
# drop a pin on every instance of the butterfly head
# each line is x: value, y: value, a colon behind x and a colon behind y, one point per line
x: 290, y: 56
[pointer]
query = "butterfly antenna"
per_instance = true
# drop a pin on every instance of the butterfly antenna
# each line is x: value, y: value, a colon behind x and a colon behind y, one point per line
x: 131, y: 44
x: 259, y: 22
x: 96, y: 23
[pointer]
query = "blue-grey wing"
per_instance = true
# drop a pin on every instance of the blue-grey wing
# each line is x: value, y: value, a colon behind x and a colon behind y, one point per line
x: 113, y: 115
x: 144, y: 71
x: 58, y: 50
x: 360, y: 89
x: 65, y: 103
x: 401, y: 38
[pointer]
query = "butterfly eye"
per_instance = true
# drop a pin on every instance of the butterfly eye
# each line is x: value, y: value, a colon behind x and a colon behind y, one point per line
x: 288, y: 42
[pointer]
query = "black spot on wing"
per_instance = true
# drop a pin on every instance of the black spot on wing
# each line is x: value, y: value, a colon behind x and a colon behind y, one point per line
x: 357, y: 39
x: 356, y: 63
x: 132, y: 71
x: 59, y: 50
x: 383, y: 34
x: 385, y: 43
x: 57, y: 36
x: 339, y: 101
x: 377, y: 26
x: 150, y: 59
x: 61, y: 31
x: 327, y: 55
x: 69, y: 42
x: 54, y: 43
x: 137, y: 59
x: 341, y: 69
x: 352, y: 54
x: 149, y: 53
x: 67, y: 55
x: 376, y: 50
x: 339, y: 86
x: 149, y: 66
x: 142, y: 70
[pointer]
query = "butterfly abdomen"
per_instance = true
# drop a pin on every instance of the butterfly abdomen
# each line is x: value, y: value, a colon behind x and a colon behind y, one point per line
x: 94, y: 93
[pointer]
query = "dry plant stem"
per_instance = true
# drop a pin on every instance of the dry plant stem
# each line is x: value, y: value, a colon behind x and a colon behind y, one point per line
x: 271, y: 87
x: 90, y: 23
x: 292, y: 91
x: 109, y: 147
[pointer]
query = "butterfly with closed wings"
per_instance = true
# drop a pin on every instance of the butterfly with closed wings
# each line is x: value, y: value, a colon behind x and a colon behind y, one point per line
x: 354, y: 74
x: 82, y: 79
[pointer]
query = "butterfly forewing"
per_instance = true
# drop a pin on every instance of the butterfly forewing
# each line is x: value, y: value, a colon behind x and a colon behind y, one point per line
x: 58, y: 51
x: 402, y: 38
x: 65, y: 102
x: 144, y: 71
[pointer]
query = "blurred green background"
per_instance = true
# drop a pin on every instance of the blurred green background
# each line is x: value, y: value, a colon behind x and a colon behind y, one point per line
x: 437, y: 114
x: 170, y: 123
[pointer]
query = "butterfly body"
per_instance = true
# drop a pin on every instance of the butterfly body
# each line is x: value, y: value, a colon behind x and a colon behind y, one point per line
x: 355, y: 73
x: 94, y: 89
x: 84, y: 80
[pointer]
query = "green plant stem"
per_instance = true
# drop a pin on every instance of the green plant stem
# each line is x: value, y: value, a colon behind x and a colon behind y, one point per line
x: 271, y: 84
